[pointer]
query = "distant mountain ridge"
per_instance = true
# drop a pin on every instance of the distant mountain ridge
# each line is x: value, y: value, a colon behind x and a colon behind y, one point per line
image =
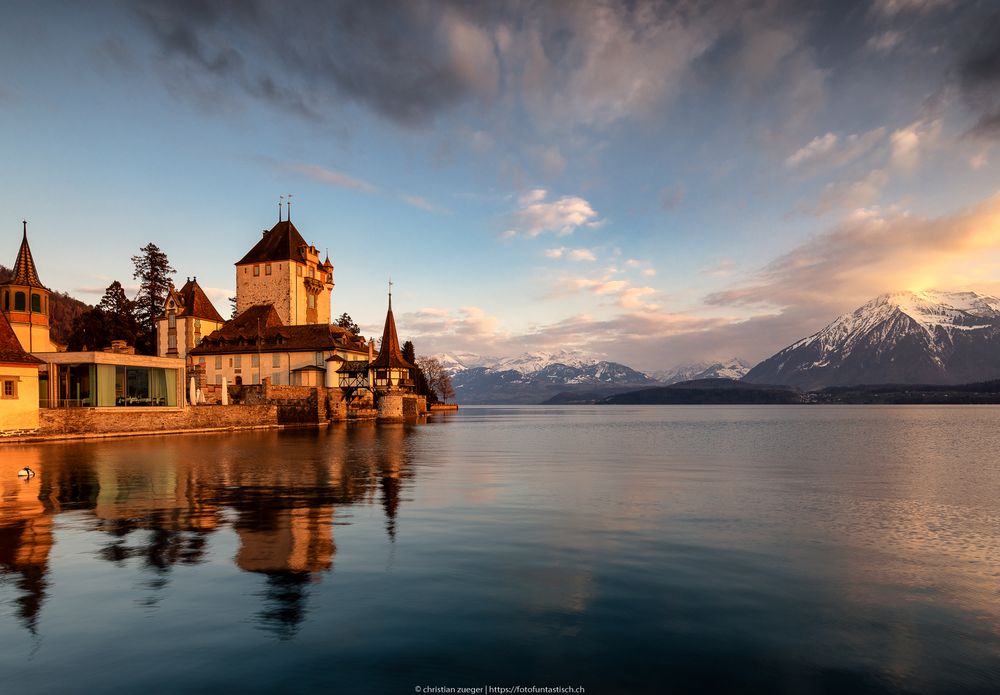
x: 732, y: 368
x: 536, y: 376
x: 928, y: 337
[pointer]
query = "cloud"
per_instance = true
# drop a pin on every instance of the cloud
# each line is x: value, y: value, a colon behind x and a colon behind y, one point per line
x: 571, y: 254
x: 849, y: 195
x: 307, y: 57
x: 978, y: 71
x: 331, y: 177
x: 566, y: 65
x: 891, y: 8
x: 876, y: 251
x: 884, y: 42
x: 830, y: 150
x: 538, y: 216
x: 907, y: 144
x: 423, y: 204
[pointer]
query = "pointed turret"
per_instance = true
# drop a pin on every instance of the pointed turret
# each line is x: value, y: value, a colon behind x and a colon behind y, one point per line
x: 390, y: 356
x: 25, y: 301
x: 25, y: 273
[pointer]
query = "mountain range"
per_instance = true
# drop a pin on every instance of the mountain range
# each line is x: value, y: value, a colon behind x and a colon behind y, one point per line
x: 927, y: 337
x: 537, y: 376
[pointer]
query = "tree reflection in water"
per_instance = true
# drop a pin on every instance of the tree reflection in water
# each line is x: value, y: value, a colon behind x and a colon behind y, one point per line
x: 160, y: 500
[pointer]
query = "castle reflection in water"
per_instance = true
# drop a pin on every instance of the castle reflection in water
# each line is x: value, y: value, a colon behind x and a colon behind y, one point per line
x: 159, y: 500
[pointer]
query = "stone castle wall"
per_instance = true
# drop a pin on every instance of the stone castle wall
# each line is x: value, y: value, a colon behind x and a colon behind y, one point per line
x: 71, y: 421
x: 275, y: 288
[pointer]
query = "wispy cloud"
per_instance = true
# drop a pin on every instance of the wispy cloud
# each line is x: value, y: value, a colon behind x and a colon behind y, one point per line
x: 423, y: 204
x: 571, y: 254
x: 831, y: 151
x: 331, y: 177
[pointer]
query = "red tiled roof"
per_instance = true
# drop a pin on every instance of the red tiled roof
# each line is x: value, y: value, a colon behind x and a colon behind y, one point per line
x: 196, y: 303
x: 389, y: 355
x: 258, y: 329
x: 10, y: 347
x: 282, y: 243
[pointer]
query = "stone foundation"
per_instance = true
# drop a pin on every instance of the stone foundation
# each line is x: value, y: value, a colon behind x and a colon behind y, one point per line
x: 82, y: 421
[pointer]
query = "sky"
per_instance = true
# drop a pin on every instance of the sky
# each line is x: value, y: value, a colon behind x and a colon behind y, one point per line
x: 654, y: 183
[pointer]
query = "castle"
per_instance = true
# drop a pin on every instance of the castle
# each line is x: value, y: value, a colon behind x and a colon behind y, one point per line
x: 280, y: 338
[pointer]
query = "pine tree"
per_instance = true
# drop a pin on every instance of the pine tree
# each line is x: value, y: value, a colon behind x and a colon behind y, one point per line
x: 153, y: 271
x: 345, y: 321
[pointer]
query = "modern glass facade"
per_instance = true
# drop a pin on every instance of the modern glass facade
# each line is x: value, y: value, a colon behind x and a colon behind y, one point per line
x: 109, y: 385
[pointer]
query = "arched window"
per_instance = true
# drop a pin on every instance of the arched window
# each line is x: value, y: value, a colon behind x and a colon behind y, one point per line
x: 36, y: 303
x: 19, y: 301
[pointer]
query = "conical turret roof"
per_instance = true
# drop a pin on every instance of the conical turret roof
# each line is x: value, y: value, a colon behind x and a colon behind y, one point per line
x: 25, y: 272
x: 390, y: 356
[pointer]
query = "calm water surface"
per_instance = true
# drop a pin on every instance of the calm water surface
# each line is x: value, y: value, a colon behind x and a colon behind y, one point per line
x: 624, y: 549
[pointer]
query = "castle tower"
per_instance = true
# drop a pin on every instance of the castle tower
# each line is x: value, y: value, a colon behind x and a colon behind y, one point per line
x: 25, y: 302
x: 286, y: 272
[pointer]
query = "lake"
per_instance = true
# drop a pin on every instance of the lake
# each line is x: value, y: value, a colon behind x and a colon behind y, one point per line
x: 621, y: 549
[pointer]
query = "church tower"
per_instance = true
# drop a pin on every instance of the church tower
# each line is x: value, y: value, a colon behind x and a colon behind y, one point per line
x: 25, y: 302
x: 286, y: 272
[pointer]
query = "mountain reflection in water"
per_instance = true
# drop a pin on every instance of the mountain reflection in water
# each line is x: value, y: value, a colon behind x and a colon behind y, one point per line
x: 159, y: 504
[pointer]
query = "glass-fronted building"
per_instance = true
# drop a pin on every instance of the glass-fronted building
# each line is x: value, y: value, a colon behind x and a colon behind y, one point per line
x: 110, y: 380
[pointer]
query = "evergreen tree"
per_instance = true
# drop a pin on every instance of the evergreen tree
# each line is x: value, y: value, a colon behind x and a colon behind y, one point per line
x: 345, y: 321
x: 153, y: 271
x: 112, y: 319
x: 420, y: 384
x: 232, y: 305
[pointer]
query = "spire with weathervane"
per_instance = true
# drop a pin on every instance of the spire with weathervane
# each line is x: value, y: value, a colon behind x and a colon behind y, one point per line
x: 391, y: 368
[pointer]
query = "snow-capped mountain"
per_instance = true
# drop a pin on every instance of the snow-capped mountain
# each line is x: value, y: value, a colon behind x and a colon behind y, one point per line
x: 733, y: 368
x: 526, y: 363
x: 534, y: 377
x: 928, y: 337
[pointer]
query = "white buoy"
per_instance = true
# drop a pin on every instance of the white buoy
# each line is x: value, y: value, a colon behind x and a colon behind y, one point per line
x: 193, y: 392
x: 225, y: 391
x: 25, y: 473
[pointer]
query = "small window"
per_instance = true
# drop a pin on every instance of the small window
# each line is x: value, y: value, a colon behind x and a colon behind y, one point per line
x: 256, y: 271
x: 311, y: 301
x: 172, y: 320
x: 218, y: 362
x: 9, y: 388
x: 201, y: 361
x: 238, y: 361
x: 267, y: 269
x: 275, y: 360
x: 319, y: 359
x: 312, y: 272
x: 19, y: 301
x: 218, y: 380
x: 255, y: 361
x: 36, y: 303
x: 298, y: 270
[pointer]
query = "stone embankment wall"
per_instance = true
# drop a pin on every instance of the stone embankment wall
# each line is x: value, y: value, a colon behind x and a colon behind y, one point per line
x: 82, y: 421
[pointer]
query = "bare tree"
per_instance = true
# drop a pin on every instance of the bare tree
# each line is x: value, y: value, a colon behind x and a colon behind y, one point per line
x: 437, y: 378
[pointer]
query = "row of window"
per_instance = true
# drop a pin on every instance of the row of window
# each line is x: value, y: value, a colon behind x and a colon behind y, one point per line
x: 298, y: 271
x: 20, y: 302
